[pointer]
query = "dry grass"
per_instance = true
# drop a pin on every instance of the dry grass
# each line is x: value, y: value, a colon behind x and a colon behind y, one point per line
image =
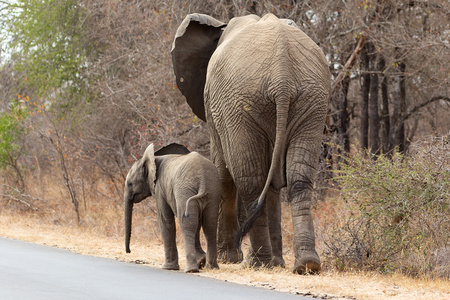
x: 105, y: 239
x: 101, y: 234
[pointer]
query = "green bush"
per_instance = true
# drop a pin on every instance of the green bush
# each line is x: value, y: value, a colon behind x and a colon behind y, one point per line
x: 11, y: 138
x: 10, y: 133
x: 395, y: 212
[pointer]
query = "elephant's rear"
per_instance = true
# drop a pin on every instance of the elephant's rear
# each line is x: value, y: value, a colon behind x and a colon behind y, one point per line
x: 213, y: 184
x: 199, y: 172
x: 261, y: 69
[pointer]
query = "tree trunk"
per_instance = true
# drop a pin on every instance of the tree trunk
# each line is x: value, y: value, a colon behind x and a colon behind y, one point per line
x: 397, y: 130
x: 343, y: 116
x: 401, y: 127
x: 384, y: 109
x: 374, y: 118
x: 365, y: 62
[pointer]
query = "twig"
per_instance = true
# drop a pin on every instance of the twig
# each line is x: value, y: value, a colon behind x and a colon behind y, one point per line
x: 429, y: 101
x: 11, y: 197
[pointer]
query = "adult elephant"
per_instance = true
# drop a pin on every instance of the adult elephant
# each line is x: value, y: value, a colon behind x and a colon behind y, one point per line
x: 263, y: 87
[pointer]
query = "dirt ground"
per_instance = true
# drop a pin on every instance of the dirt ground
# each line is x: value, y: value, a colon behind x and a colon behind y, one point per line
x: 328, y: 285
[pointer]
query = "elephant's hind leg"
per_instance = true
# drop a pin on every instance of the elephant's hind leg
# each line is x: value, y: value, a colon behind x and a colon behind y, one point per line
x: 200, y: 254
x: 189, y: 226
x: 260, y: 252
x: 301, y: 161
x: 274, y: 215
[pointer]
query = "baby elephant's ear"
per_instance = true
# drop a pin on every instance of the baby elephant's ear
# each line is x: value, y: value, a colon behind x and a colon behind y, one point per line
x: 195, y: 41
x: 173, y: 148
x: 148, y: 160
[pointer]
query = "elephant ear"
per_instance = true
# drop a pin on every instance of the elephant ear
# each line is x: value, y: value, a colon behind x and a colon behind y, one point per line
x: 149, y: 163
x: 195, y: 41
x: 173, y: 148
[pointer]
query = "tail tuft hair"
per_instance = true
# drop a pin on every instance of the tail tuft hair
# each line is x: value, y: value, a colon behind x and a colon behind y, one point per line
x: 254, y: 213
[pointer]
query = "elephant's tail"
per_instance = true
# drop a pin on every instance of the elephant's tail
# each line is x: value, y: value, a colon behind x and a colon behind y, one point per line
x: 201, y: 193
x: 257, y: 207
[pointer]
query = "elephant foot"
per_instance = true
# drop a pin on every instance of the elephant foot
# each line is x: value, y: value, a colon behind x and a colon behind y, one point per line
x: 230, y: 256
x: 307, y: 264
x: 255, y: 261
x: 278, y: 261
x: 170, y: 266
x: 191, y: 268
x: 201, y: 262
x: 213, y: 265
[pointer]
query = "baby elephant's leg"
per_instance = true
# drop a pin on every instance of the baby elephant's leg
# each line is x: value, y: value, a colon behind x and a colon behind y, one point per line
x: 166, y: 221
x: 189, y: 225
x: 201, y: 255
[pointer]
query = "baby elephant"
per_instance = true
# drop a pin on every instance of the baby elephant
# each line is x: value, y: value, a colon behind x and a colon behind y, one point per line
x: 185, y: 185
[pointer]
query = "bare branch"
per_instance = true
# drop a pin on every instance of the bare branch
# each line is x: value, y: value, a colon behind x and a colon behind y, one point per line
x: 356, y: 52
x: 20, y: 197
x: 351, y: 61
x: 429, y: 101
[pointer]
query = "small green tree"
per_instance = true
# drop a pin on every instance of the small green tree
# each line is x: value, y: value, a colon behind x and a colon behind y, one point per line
x: 11, y: 132
x: 47, y: 45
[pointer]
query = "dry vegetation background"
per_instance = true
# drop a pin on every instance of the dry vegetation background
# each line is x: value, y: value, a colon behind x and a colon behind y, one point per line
x: 86, y: 85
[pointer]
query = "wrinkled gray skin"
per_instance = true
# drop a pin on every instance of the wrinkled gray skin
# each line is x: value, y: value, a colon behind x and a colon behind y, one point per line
x: 263, y: 87
x: 186, y: 186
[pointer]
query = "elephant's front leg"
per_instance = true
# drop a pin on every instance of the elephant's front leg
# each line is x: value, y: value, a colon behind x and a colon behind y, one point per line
x: 166, y: 221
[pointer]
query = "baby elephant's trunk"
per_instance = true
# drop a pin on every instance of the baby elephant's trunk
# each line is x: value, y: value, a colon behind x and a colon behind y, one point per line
x: 128, y: 216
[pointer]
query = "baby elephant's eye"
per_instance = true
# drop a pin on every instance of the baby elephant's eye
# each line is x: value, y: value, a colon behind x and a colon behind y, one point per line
x: 130, y: 184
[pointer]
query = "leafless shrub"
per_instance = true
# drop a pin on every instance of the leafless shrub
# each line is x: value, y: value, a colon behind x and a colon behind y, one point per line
x: 393, y: 213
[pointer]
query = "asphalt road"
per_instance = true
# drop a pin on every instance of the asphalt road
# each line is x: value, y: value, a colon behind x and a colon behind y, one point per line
x: 30, y: 271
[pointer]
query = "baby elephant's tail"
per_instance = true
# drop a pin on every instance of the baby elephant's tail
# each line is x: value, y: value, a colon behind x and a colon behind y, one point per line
x: 201, y: 193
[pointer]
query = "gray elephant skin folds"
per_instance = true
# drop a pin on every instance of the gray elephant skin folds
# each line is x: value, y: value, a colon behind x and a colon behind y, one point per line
x: 185, y: 185
x: 263, y: 87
